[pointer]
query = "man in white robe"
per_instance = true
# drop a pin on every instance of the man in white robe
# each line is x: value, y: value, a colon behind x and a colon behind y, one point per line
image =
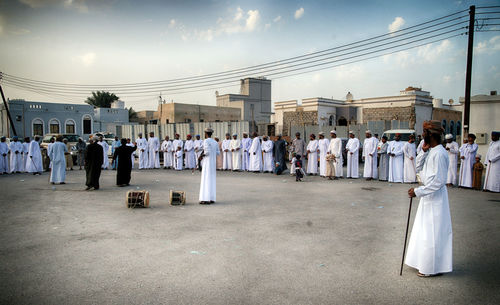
x: 26, y: 147
x: 352, y: 148
x: 190, y: 155
x: 236, y: 153
x: 452, y: 148
x: 370, y: 156
x: 267, y: 150
x: 430, y: 246
x: 167, y: 149
x: 246, y: 142
x: 57, y: 156
x: 468, y: 156
x: 323, y: 145
x: 255, y: 164
x: 178, y: 145
x: 410, y: 153
x: 492, y: 179
x: 396, y: 159
x: 226, y: 153
x: 16, y: 155
x: 4, y: 156
x: 142, y: 146
x: 208, y: 169
x: 34, y: 164
x: 153, y: 151
x: 105, y: 149
x: 198, y: 148
x: 312, y: 155
x: 335, y: 148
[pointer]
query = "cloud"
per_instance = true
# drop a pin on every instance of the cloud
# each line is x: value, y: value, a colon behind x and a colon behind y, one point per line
x: 299, y: 13
x: 20, y: 31
x: 396, y: 24
x: 277, y: 19
x: 488, y: 46
x: 267, y: 26
x: 172, y: 23
x: 252, y: 20
x: 79, y: 5
x: 207, y: 35
x: 239, y: 14
x: 88, y: 59
x: 430, y: 54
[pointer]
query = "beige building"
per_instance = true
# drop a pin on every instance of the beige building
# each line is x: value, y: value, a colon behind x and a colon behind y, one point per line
x: 412, y: 105
x: 254, y: 100
x: 187, y: 113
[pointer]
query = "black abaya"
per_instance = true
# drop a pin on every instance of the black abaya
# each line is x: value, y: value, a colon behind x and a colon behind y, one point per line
x: 93, y: 163
x: 124, y: 168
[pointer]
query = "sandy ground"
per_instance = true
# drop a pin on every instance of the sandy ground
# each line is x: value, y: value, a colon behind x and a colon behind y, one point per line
x: 267, y: 240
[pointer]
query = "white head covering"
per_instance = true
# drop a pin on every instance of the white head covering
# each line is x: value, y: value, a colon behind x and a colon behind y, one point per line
x: 321, y: 133
x: 368, y: 131
x: 351, y: 132
x: 333, y: 131
x: 448, y: 136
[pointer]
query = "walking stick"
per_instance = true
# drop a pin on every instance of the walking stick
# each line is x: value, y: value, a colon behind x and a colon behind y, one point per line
x: 406, y: 237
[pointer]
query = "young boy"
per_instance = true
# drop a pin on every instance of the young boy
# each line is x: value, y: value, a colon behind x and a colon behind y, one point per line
x: 298, y: 169
x: 292, y: 162
x: 477, y: 173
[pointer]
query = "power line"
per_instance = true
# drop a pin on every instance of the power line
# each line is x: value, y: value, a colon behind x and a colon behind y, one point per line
x: 274, y: 62
x: 265, y: 72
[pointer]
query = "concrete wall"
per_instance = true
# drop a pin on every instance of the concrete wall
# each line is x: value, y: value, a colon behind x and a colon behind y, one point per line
x: 24, y: 113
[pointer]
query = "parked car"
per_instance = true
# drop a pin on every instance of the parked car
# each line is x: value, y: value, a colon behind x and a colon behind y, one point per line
x: 72, y: 140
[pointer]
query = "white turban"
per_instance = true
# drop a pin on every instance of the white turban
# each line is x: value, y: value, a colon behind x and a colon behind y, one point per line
x: 448, y: 136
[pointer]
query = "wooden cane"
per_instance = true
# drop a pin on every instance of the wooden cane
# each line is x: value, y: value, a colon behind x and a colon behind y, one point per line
x: 406, y: 237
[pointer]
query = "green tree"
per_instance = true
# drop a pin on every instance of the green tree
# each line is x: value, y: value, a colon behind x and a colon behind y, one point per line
x: 101, y: 99
x: 132, y: 115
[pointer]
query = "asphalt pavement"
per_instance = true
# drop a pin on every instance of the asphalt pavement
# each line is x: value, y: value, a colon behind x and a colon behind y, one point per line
x: 267, y: 240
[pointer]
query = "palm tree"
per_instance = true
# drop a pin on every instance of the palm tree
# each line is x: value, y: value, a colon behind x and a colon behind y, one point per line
x: 101, y: 99
x: 132, y: 115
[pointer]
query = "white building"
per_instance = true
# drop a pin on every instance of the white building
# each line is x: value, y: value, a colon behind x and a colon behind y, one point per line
x: 484, y: 118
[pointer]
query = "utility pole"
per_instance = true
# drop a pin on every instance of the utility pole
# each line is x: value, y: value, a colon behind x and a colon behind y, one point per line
x: 468, y: 73
x: 7, y: 109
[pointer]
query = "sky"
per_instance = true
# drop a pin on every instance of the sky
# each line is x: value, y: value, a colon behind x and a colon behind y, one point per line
x: 124, y: 41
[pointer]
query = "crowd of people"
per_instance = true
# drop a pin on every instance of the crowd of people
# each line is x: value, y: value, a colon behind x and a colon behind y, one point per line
x: 393, y: 161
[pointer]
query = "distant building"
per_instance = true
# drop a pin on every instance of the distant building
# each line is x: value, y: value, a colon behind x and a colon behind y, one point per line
x: 484, y: 114
x: 412, y: 105
x: 254, y: 100
x: 188, y: 113
x: 39, y: 118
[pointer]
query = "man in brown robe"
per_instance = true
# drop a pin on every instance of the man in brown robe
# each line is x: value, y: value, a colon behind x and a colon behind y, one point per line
x: 477, y: 174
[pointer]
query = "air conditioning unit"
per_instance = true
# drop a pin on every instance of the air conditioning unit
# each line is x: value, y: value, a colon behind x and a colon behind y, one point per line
x: 481, y: 138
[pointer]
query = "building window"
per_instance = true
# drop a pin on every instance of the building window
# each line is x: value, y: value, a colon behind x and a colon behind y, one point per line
x: 445, y: 127
x: 70, y: 126
x: 188, y: 121
x: 54, y: 126
x: 37, y: 127
x: 459, y: 128
x: 342, y: 121
x: 331, y: 120
x: 452, y: 128
x: 87, y: 125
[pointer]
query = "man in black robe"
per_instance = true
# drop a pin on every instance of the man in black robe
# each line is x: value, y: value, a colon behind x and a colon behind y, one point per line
x: 124, y: 168
x: 94, y: 157
x: 279, y: 151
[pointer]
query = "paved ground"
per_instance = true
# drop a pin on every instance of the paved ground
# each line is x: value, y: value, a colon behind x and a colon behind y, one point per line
x: 268, y: 240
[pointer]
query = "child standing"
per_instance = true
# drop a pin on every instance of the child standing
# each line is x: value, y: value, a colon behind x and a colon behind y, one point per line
x: 477, y: 173
x: 298, y: 168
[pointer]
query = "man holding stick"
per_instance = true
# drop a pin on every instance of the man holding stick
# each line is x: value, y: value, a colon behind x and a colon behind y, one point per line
x: 430, y: 246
